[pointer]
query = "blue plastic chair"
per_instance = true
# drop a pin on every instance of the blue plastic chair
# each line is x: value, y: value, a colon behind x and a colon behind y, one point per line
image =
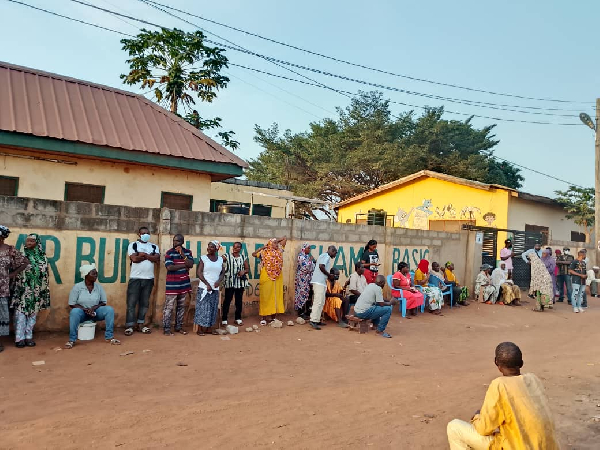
x: 402, y: 299
x: 435, y: 282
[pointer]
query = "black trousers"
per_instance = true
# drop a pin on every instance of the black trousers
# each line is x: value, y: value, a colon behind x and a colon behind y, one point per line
x: 138, y: 296
x: 229, y: 294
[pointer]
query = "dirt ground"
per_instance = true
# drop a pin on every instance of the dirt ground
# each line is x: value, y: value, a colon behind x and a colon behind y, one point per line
x: 295, y: 387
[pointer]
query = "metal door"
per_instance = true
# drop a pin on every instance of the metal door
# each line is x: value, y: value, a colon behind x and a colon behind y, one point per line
x: 523, y: 241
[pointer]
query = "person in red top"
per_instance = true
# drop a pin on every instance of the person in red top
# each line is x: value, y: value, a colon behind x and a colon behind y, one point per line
x: 401, y: 280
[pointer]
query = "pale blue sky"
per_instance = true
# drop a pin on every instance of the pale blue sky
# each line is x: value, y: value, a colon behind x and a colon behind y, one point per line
x: 543, y: 48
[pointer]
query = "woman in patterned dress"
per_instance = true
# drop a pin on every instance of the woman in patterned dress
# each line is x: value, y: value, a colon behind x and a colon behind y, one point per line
x: 541, y: 283
x: 304, y: 270
x: 434, y: 294
x: 271, y: 279
x: 31, y: 293
x: 12, y: 263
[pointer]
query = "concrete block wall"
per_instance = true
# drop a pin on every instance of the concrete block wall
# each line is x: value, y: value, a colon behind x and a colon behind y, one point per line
x: 75, y: 233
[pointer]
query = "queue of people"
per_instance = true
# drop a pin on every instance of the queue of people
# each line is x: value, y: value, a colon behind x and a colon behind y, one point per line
x: 317, y: 291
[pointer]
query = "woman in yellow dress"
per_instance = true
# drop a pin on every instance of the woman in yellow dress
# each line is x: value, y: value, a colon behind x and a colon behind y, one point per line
x: 271, y: 279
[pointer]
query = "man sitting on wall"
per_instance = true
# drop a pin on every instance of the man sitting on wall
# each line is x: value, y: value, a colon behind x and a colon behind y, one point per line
x: 88, y: 302
x: 356, y: 284
x: 335, y: 300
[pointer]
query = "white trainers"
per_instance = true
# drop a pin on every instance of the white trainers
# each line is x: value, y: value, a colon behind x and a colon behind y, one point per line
x: 581, y: 310
x: 224, y: 322
x: 575, y: 310
x: 238, y: 322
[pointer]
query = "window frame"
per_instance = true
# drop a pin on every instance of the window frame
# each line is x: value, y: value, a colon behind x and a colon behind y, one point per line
x: 67, y: 183
x: 162, y: 199
x: 16, y: 179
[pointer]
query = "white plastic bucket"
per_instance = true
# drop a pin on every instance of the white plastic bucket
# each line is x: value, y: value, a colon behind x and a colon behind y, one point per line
x: 87, y: 331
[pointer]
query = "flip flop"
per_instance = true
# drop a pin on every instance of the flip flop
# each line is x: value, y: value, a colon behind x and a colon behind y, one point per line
x: 113, y: 341
x: 69, y: 345
x: 145, y: 330
x: 181, y: 332
x: 263, y: 322
x: 129, y: 331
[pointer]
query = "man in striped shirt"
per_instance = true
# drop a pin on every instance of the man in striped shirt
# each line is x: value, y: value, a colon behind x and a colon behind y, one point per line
x: 178, y: 261
x: 236, y: 281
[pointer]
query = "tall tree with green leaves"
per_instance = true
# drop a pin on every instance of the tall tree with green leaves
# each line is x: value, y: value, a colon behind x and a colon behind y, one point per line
x: 366, y: 146
x: 579, y: 205
x: 178, y: 67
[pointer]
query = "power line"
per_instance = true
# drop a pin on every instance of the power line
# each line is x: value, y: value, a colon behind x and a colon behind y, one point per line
x: 362, y: 66
x: 149, y: 23
x: 69, y: 18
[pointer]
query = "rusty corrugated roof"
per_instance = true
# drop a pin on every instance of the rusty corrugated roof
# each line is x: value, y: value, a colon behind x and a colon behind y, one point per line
x: 49, y: 105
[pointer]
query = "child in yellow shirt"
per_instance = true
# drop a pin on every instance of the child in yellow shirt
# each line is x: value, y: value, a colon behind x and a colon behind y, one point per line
x: 515, y: 414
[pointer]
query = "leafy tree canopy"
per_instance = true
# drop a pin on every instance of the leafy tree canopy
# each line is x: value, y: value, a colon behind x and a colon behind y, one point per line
x: 177, y: 66
x: 365, y: 147
x: 579, y: 204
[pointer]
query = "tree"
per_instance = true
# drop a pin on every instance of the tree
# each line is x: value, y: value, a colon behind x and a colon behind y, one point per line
x: 176, y: 66
x: 579, y: 203
x: 366, y: 146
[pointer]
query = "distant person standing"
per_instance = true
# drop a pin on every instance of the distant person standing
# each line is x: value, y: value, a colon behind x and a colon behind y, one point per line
x: 370, y: 261
x: 143, y: 256
x: 506, y: 255
x: 319, y: 284
x: 178, y: 262
x: 236, y: 281
x: 563, y: 262
x: 537, y: 249
x: 578, y: 273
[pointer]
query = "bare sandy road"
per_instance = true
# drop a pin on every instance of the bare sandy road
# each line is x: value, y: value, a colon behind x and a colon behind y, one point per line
x: 295, y: 387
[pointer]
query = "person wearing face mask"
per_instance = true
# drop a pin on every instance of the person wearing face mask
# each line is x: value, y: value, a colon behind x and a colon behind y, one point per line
x: 335, y: 300
x: 563, y: 262
x: 143, y: 256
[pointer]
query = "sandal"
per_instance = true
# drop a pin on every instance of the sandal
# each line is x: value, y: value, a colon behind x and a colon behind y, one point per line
x: 29, y: 342
x: 145, y: 330
x: 214, y: 333
x: 168, y: 333
x: 129, y: 331
x: 200, y: 333
x: 181, y: 332
x: 20, y: 344
x: 263, y: 322
x: 69, y: 345
x: 113, y: 341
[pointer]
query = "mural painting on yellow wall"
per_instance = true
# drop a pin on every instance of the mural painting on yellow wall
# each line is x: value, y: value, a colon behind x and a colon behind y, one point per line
x: 422, y: 213
x: 470, y: 212
x: 403, y: 216
x: 446, y: 212
x: 490, y: 218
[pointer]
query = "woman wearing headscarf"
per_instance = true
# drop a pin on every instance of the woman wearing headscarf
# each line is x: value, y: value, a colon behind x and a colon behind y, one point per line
x: 271, y: 279
x: 370, y: 261
x: 210, y: 271
x: 31, y: 293
x: 541, y: 283
x: 403, y: 288
x: 436, y: 300
x: 304, y: 270
x: 459, y: 292
x: 88, y: 301
x: 12, y: 263
x: 550, y: 264
x: 506, y: 292
x: 484, y: 289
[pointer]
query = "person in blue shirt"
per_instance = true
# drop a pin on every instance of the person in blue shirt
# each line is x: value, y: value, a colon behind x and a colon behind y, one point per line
x: 88, y: 302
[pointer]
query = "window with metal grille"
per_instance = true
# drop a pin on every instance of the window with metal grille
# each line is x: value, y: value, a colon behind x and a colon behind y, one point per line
x: 79, y: 192
x: 176, y: 201
x: 539, y: 229
x: 576, y: 236
x: 9, y: 186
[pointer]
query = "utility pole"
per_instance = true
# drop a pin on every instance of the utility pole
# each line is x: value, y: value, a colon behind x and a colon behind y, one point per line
x: 597, y: 185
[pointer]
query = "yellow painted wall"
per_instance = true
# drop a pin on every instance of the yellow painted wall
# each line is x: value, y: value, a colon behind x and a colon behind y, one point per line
x: 416, y: 203
x: 241, y: 193
x: 126, y: 183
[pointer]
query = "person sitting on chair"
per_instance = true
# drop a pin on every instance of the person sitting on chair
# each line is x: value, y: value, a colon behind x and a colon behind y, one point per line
x: 506, y: 291
x: 515, y: 413
x: 356, y: 284
x: 88, y: 302
x: 401, y: 281
x: 335, y: 300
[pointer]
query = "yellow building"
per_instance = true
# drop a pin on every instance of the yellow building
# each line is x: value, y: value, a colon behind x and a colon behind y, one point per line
x: 432, y: 201
x: 68, y: 139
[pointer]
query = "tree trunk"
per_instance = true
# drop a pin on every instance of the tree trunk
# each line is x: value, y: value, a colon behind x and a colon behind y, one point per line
x: 173, y: 105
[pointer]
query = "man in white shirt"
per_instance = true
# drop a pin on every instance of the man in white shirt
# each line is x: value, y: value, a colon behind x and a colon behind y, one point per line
x: 356, y: 284
x: 593, y: 280
x: 371, y: 305
x: 143, y: 255
x: 319, y: 285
